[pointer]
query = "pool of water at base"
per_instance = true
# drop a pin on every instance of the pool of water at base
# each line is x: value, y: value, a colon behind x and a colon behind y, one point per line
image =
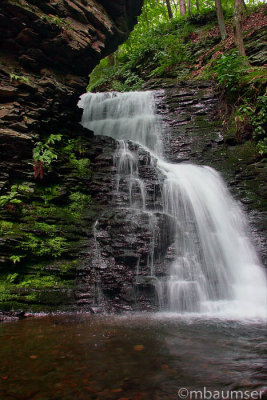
x: 134, y: 357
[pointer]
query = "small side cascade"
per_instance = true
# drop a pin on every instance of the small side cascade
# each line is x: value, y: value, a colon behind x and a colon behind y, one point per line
x: 99, y: 298
x: 214, y: 268
x: 127, y: 175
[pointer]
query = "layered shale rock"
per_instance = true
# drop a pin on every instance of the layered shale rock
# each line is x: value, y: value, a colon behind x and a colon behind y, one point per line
x: 47, y: 50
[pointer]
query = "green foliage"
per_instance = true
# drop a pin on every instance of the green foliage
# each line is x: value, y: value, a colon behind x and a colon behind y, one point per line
x: 12, y: 197
x: 53, y: 246
x: 15, y: 259
x: 230, y: 69
x: 40, y: 282
x: 69, y: 265
x: 41, y: 211
x: 120, y: 77
x: 159, y: 46
x: 69, y: 148
x: 19, y: 78
x: 151, y: 50
x: 174, y: 53
x: 259, y: 118
x: 43, y: 231
x: 49, y: 193
x: 5, y: 226
x: 45, y: 228
x: 4, y: 293
x: 45, y: 152
x: 262, y: 147
x: 82, y: 165
x: 79, y: 201
x: 256, y: 114
x: 12, y: 278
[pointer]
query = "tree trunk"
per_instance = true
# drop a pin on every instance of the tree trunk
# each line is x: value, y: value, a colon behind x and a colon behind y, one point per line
x: 220, y: 18
x: 182, y: 7
x: 197, y: 4
x: 245, y: 6
x: 238, y: 15
x: 169, y: 9
x: 189, y: 6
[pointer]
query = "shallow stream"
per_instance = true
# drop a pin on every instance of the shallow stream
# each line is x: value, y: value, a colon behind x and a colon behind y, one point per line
x: 135, y: 357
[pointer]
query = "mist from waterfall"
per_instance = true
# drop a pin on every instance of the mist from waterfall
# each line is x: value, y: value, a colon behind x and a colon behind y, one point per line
x: 216, y: 270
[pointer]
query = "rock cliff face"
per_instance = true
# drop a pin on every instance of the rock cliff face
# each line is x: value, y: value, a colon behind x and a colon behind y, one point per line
x: 47, y: 50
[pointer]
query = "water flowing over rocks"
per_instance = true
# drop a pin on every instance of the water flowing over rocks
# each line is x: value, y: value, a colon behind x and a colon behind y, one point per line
x: 117, y: 255
x: 137, y: 243
x: 113, y: 243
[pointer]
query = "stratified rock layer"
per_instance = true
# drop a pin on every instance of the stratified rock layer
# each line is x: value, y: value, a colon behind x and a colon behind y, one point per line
x: 47, y: 50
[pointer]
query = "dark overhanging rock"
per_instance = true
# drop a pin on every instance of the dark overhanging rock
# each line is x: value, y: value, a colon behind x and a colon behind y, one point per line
x: 48, y: 48
x: 47, y: 51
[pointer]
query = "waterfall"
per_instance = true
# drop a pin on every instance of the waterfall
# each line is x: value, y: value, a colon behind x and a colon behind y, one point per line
x: 215, y: 269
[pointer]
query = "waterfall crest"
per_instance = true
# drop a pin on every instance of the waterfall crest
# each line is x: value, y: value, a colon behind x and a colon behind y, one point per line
x: 216, y: 269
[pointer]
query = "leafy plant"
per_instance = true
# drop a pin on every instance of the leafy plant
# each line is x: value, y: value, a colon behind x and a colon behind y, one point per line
x: 53, y: 246
x: 45, y: 228
x: 82, y: 165
x: 11, y: 278
x: 19, y: 78
x: 5, y: 293
x: 256, y: 115
x: 15, y: 259
x: 11, y: 201
x: 49, y: 193
x: 79, y: 201
x: 262, y: 147
x: 39, y: 282
x: 6, y: 226
x: 230, y: 69
x: 10, y: 198
x: 44, y: 154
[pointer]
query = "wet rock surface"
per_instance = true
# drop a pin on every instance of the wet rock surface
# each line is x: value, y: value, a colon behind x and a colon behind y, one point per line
x: 128, y: 245
x: 111, y: 244
x: 118, y: 270
x: 47, y: 50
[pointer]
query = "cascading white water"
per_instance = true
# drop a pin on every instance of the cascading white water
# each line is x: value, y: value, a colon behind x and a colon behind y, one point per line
x: 129, y: 116
x: 127, y: 170
x: 216, y: 269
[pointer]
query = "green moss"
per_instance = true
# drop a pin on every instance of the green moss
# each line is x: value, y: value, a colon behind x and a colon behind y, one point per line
x: 40, y: 282
x: 6, y: 227
x: 47, y: 211
x: 45, y: 228
x: 43, y: 240
x: 5, y: 294
x: 69, y: 265
x: 79, y: 202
